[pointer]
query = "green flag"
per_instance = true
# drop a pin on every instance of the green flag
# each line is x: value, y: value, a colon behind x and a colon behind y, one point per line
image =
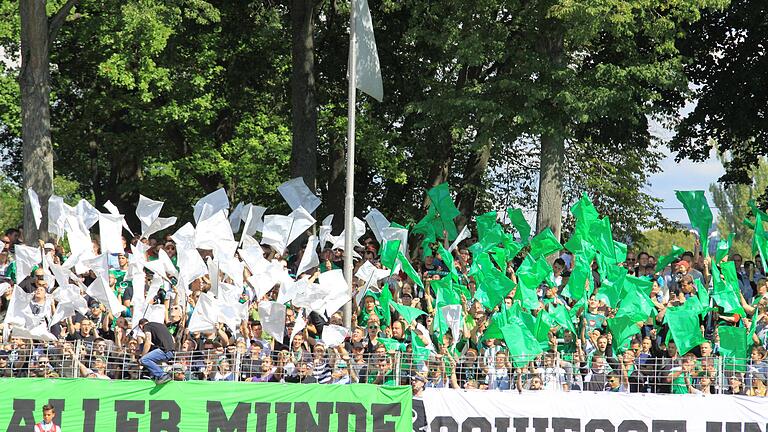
x: 544, y: 324
x: 612, y: 286
x: 445, y: 293
x: 723, y: 248
x: 409, y: 270
x: 620, y: 251
x: 699, y: 213
x: 489, y: 232
x: 447, y: 258
x: 733, y: 347
x: 561, y: 316
x: 760, y: 239
x: 636, y: 305
x: 726, y: 292
x: 577, y: 282
x: 529, y: 275
x: 440, y: 196
x: 511, y: 247
x: 684, y: 327
x: 389, y: 253
x: 385, y: 298
x: 522, y: 345
x: 667, y: 259
x: 544, y: 244
x: 601, y: 237
x: 519, y: 222
x: 579, y: 246
x: 407, y: 313
x: 392, y: 344
x: 584, y: 210
x: 622, y: 328
x: 493, y: 288
x: 702, y: 293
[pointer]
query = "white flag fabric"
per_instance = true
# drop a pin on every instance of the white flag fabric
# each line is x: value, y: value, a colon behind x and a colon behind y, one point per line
x: 211, y: 204
x: 299, y: 324
x: 367, y: 67
x: 272, y: 316
x: 34, y: 203
x: 334, y: 335
x: 87, y: 213
x: 297, y: 194
x: 112, y: 209
x: 280, y: 231
x: 39, y: 332
x: 99, y: 289
x: 110, y: 233
x: 324, y: 233
x: 235, y: 217
x: 358, y: 230
x: 253, y: 220
x: 452, y: 315
x: 57, y: 212
x: 147, y: 210
x: 377, y: 221
x: 205, y: 315
x: 463, y: 235
x: 309, y: 259
x: 370, y: 274
x: 26, y: 258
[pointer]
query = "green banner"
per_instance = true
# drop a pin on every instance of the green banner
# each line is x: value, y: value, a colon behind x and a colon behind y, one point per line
x: 92, y: 405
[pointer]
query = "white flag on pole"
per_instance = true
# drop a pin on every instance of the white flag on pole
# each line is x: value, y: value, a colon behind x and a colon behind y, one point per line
x: 367, y: 67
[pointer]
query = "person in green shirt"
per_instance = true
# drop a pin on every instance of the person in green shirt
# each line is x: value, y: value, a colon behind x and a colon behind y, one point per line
x: 680, y: 377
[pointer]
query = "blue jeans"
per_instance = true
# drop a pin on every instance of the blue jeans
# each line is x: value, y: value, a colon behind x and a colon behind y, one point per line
x: 151, y: 360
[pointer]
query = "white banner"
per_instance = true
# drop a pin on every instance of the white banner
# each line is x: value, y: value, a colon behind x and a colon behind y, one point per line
x: 447, y: 410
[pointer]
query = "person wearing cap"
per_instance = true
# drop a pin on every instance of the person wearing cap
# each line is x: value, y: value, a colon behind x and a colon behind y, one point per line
x: 179, y: 372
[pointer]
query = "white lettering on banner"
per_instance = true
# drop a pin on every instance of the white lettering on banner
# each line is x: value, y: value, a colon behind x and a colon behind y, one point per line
x: 447, y: 410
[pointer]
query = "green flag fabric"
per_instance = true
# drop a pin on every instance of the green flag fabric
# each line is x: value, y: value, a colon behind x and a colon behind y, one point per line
x: 561, y: 316
x: 684, y: 326
x: 409, y: 270
x: 523, y: 346
x: 723, y: 248
x: 544, y: 244
x: 519, y: 222
x: 601, y: 237
x: 733, y: 347
x: 623, y: 328
x: 726, y: 291
x: 699, y: 213
x: 407, y: 313
x: 389, y: 253
x: 667, y: 259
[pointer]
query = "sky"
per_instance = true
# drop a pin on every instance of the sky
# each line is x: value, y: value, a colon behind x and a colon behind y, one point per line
x: 685, y: 175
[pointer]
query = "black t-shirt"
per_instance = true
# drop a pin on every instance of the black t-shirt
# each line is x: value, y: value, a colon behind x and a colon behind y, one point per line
x: 161, y: 337
x: 78, y: 336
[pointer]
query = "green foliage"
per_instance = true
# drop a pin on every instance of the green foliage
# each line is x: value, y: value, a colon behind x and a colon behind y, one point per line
x: 11, y: 205
x: 658, y: 242
x: 731, y: 201
x: 175, y: 99
x: 726, y: 51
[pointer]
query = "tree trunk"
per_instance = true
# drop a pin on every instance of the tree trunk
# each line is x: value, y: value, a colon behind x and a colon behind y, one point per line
x: 37, y: 34
x: 337, y: 168
x: 34, y: 81
x: 474, y: 173
x: 550, y: 206
x: 303, y: 93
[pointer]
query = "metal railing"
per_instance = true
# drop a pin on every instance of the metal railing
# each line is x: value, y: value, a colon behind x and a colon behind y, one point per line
x: 491, y: 371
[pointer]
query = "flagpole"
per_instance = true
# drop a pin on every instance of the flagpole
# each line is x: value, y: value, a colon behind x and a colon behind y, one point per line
x: 349, y: 199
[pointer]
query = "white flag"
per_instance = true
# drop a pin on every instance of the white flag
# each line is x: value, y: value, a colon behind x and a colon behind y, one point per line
x: 34, y: 203
x: 367, y: 67
x: 273, y: 319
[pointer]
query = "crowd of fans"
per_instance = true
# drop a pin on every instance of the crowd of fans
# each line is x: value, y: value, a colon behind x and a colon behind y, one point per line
x: 382, y: 347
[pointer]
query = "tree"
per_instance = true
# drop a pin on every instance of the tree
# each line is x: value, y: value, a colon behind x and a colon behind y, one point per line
x: 303, y: 97
x: 659, y: 242
x: 37, y: 35
x: 728, y: 66
x: 731, y: 201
